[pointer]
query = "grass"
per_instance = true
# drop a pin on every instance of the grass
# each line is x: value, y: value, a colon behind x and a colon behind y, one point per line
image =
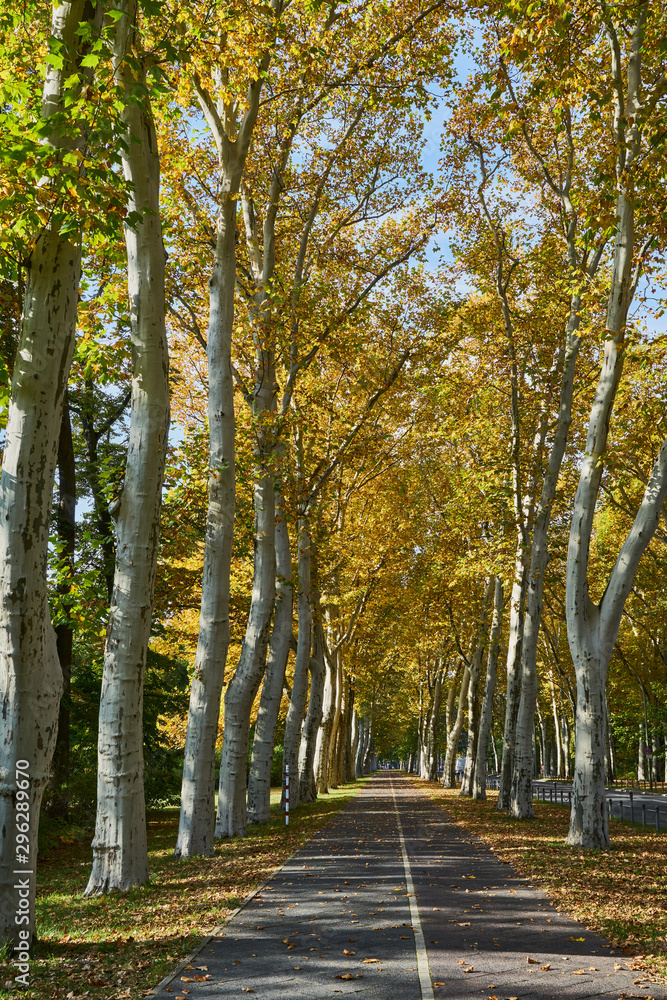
x: 620, y: 893
x: 121, y: 945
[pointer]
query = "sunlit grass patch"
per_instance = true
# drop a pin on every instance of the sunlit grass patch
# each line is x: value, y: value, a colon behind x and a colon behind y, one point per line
x: 121, y: 945
x: 620, y: 893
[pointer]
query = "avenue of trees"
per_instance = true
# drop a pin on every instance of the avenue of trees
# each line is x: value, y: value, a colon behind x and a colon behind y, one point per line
x: 319, y: 444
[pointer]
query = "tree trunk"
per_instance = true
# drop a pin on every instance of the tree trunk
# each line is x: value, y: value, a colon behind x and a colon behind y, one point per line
x: 473, y: 690
x: 322, y: 752
x: 448, y: 775
x: 297, y: 705
x: 361, y: 749
x: 566, y: 745
x: 521, y: 800
x: 307, y: 784
x: 514, y: 644
x: 232, y: 817
x: 30, y: 674
x: 120, y: 857
x: 104, y: 523
x: 196, y: 825
x: 333, y: 740
x: 479, y: 778
x: 348, y: 763
x: 432, y: 757
x: 591, y: 629
x: 66, y: 527
x: 259, y: 781
x: 353, y: 745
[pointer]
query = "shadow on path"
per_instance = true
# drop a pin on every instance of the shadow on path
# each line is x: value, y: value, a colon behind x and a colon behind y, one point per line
x: 335, y: 920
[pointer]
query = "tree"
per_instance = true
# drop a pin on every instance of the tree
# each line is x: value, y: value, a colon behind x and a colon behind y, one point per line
x: 31, y: 677
x: 592, y: 629
x: 120, y: 855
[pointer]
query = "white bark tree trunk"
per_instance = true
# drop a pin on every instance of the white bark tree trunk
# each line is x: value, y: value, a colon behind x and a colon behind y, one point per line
x: 521, y: 798
x: 120, y: 855
x: 348, y: 763
x: 592, y: 629
x: 448, y: 777
x: 479, y: 777
x: 232, y: 817
x: 259, y: 781
x: 432, y: 757
x: 196, y: 825
x: 297, y: 705
x: 473, y: 690
x: 324, y: 733
x: 311, y: 726
x: 333, y: 739
x: 30, y: 674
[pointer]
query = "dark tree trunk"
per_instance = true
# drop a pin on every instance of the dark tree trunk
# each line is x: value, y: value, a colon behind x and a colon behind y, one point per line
x: 66, y: 530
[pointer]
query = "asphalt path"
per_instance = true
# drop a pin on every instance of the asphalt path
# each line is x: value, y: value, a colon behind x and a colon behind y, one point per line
x: 392, y: 901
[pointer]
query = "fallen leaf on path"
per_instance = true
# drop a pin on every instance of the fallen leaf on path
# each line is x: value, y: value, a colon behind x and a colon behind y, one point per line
x: 576, y: 939
x: 345, y: 975
x: 591, y: 968
x: 544, y: 968
x: 579, y: 972
x: 471, y: 968
x: 346, y: 951
x: 531, y: 961
x: 460, y: 961
x: 187, y: 979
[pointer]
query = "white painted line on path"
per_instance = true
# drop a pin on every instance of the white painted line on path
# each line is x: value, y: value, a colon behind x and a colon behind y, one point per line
x: 420, y: 944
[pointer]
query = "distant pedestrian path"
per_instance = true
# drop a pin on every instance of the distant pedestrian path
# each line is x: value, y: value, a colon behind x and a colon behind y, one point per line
x: 391, y: 901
